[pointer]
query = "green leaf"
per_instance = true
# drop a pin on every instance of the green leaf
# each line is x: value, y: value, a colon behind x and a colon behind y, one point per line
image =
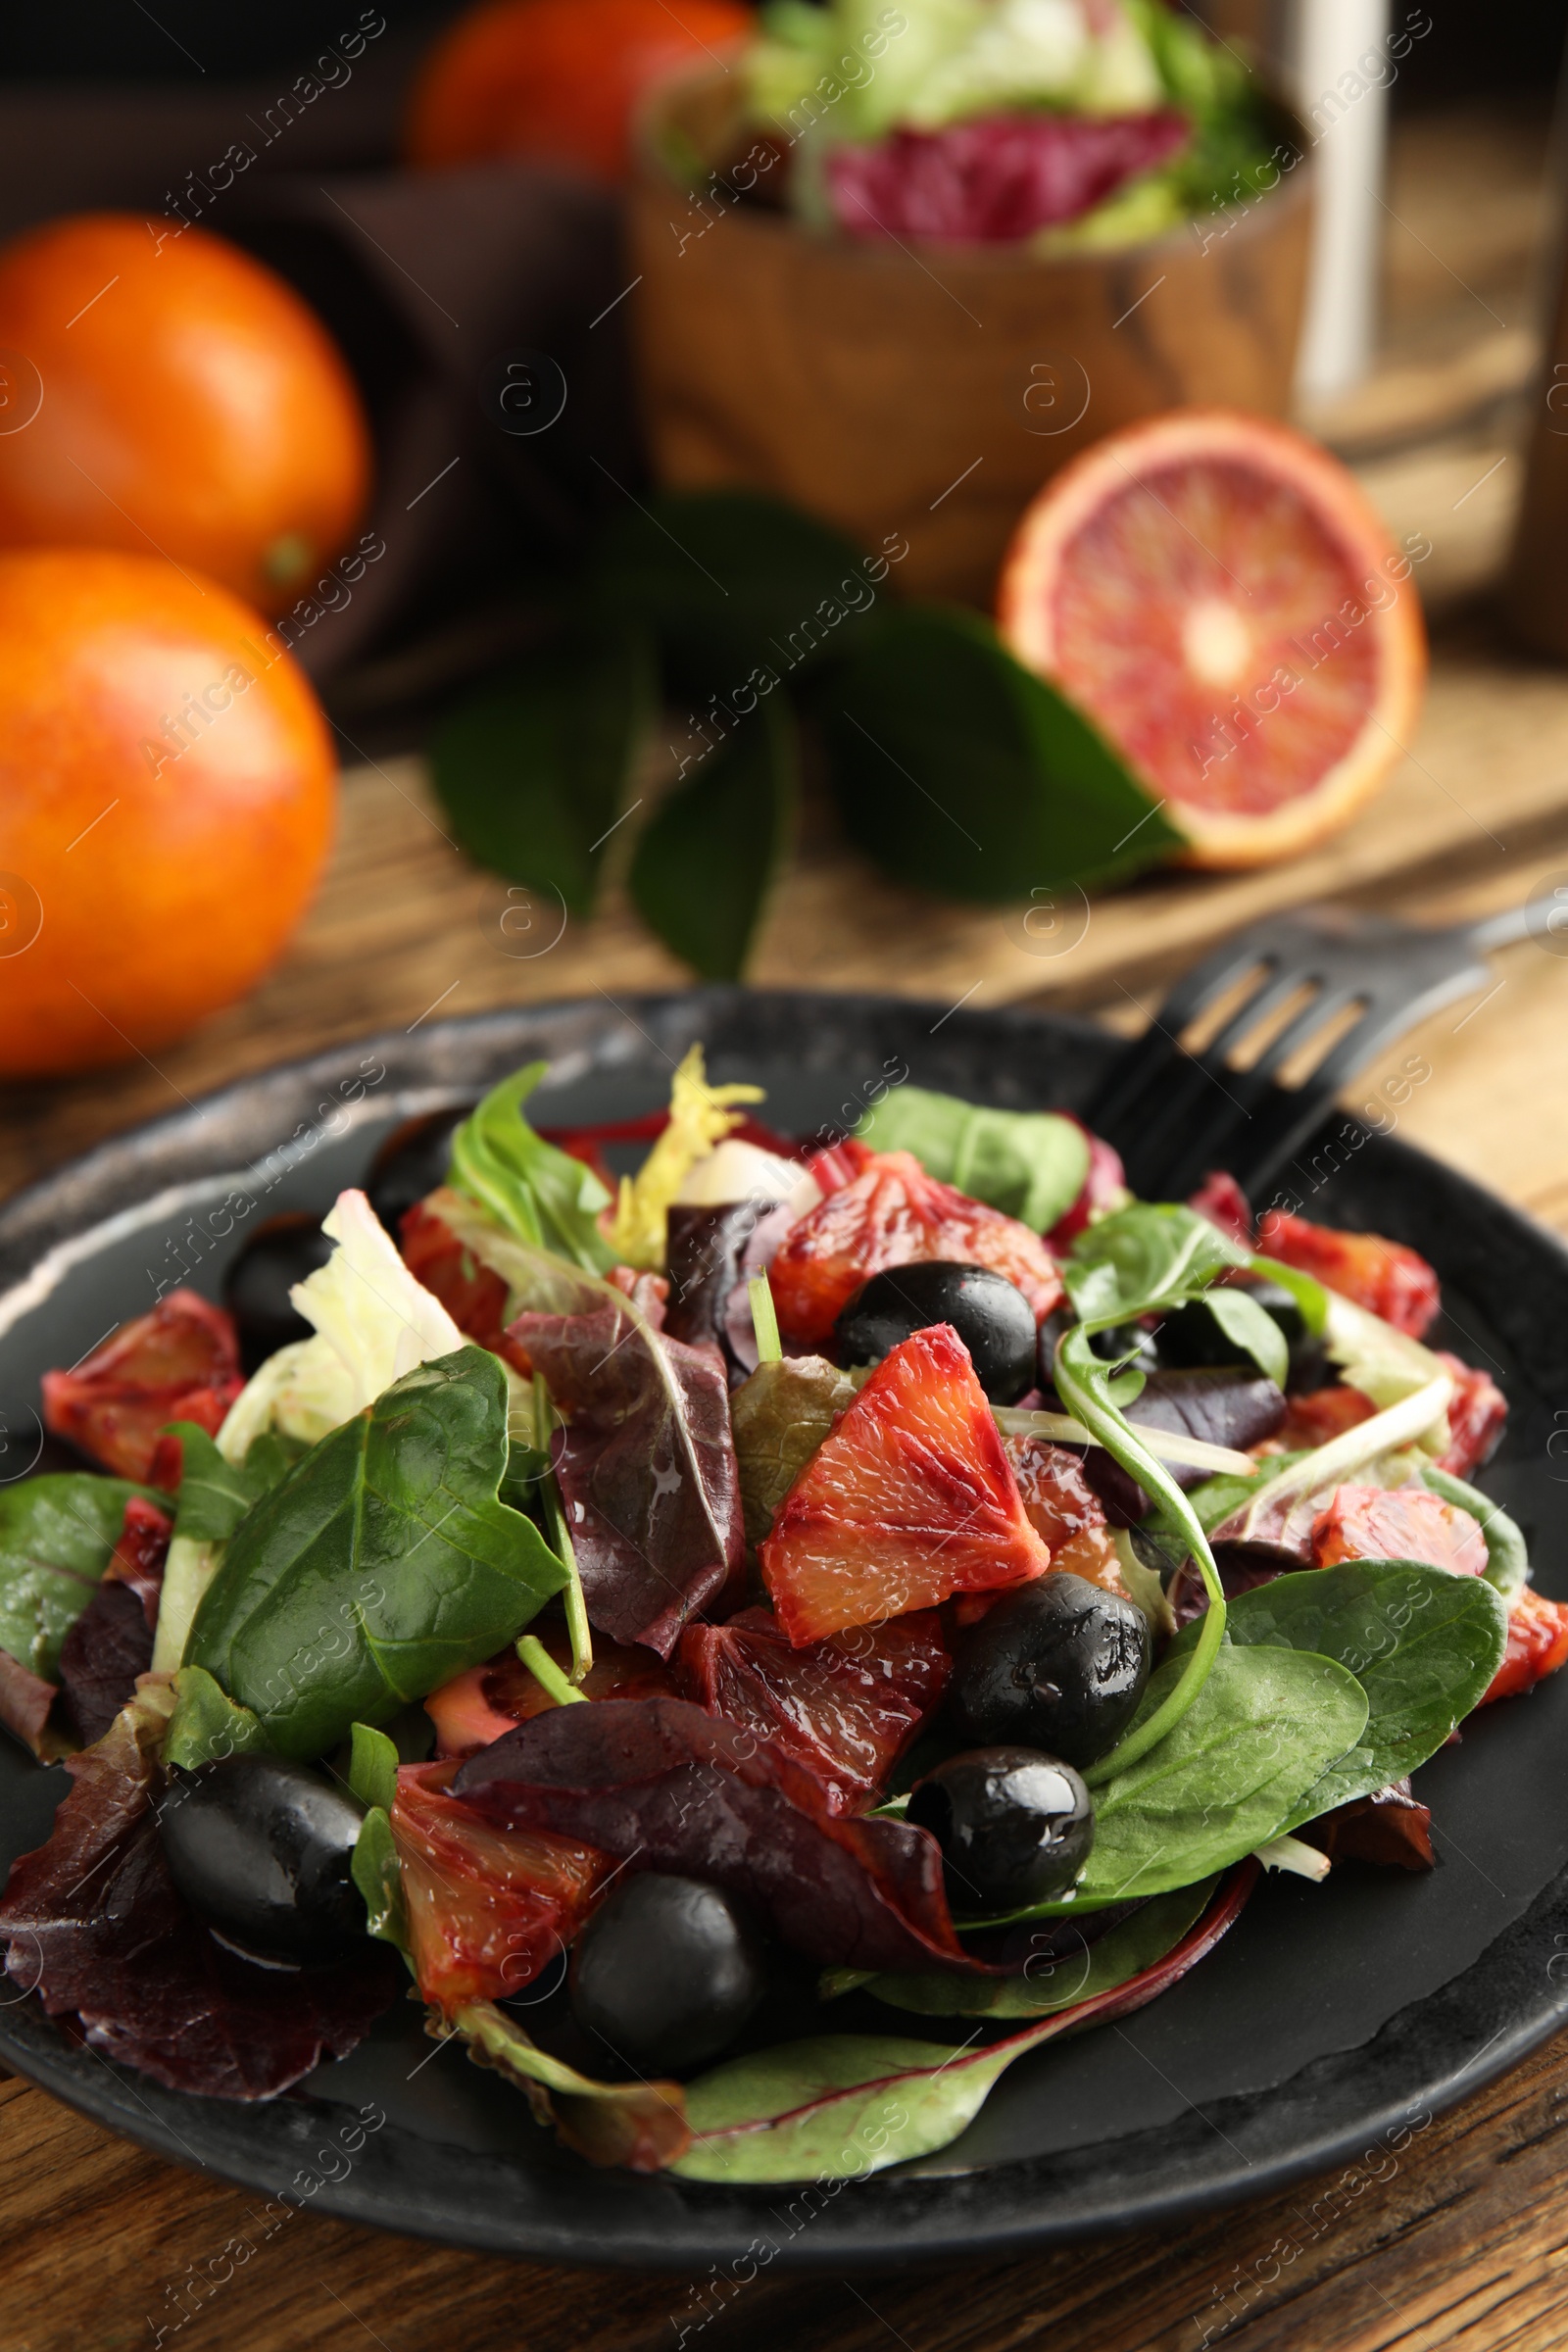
x: 701, y: 870
x: 215, y: 1494
x: 1507, y: 1557
x: 1423, y: 1642
x: 639, y: 2124
x: 741, y: 591
x: 1216, y: 1499
x: 1145, y: 1259
x: 534, y: 769
x: 206, y: 1723
x: 780, y: 1417
x: 1251, y: 1329
x: 538, y: 1192
x: 1030, y: 1163
x: 56, y: 1534
x: 1309, y: 1295
x: 1264, y: 1729
x: 1124, y: 1950
x: 378, y: 1875
x: 383, y: 1564
x: 372, y: 1767
x: 958, y: 771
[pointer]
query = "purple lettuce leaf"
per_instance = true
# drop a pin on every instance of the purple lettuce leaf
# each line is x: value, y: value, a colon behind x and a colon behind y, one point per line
x: 662, y: 1785
x: 646, y: 1467
x: 91, y: 1921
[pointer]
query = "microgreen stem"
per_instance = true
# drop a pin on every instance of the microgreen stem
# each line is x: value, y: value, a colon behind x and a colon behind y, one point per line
x: 764, y: 1320
x: 546, y: 1672
x: 1079, y: 1387
x: 560, y: 1535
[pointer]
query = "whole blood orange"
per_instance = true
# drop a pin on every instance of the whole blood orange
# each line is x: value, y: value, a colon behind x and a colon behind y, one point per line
x: 191, y: 406
x: 166, y: 805
x: 1216, y: 592
x: 558, y: 80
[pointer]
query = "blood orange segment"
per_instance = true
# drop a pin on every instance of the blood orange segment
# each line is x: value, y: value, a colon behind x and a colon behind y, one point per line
x: 178, y: 1363
x: 846, y: 1708
x: 489, y: 1701
x: 488, y: 1908
x: 892, y: 1213
x: 910, y: 1499
x: 1387, y: 1278
x: 1477, y: 1411
x: 1402, y: 1523
x: 1537, y: 1645
x: 1217, y: 593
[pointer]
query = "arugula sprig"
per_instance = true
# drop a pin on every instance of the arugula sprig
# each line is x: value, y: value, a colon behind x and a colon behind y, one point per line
x: 538, y: 1192
x: 1144, y: 1260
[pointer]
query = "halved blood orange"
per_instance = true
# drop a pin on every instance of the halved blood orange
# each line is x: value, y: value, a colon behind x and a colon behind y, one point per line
x: 1217, y: 594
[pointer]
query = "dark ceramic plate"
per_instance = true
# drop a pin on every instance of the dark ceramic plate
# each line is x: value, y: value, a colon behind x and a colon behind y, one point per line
x: 1332, y: 2019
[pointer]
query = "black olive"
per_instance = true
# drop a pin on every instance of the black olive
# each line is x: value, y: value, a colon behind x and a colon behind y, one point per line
x: 990, y: 1315
x: 667, y: 1971
x: 412, y: 1161
x: 262, y: 1849
x: 1057, y: 1665
x: 1015, y: 1827
x: 257, y: 1286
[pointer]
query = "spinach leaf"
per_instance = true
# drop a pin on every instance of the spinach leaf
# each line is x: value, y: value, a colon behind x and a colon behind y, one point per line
x: 56, y: 1534
x: 539, y: 1194
x: 534, y: 767
x: 378, y: 1875
x: 380, y: 1565
x: 215, y: 1494
x: 1072, y: 1974
x: 732, y: 583
x: 1264, y: 1729
x: 206, y: 1723
x: 701, y: 871
x: 1030, y: 1163
x: 372, y: 1767
x: 1423, y: 1642
x: 1250, y: 1330
x: 1507, y: 1558
x: 959, y: 772
x: 1145, y: 1259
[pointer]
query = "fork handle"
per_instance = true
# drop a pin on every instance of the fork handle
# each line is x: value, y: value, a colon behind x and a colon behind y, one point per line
x: 1532, y: 920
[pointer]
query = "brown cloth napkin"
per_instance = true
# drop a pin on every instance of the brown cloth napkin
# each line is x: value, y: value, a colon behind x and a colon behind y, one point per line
x: 436, y: 286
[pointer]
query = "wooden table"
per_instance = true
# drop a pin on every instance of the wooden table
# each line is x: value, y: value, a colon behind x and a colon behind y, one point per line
x: 1461, y: 2243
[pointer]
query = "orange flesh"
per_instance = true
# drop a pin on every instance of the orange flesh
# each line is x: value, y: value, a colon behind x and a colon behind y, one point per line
x: 1185, y: 667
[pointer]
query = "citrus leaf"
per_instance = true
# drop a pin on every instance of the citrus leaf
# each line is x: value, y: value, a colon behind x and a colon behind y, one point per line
x: 730, y: 583
x: 534, y: 769
x: 703, y: 864
x: 958, y: 771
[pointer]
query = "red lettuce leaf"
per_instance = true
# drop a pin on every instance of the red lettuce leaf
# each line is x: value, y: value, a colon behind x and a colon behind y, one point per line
x: 995, y: 177
x: 660, y: 1784
x: 646, y: 1467
x: 845, y: 1707
x: 26, y: 1700
x: 92, y: 1922
x: 111, y: 1643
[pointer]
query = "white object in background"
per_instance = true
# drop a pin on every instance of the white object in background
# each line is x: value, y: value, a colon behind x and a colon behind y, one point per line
x: 1334, y: 54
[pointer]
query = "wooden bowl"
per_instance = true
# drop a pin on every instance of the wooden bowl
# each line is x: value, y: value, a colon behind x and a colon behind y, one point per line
x: 925, y: 392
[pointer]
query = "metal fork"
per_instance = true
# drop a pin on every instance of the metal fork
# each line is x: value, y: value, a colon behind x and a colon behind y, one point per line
x: 1174, y: 1115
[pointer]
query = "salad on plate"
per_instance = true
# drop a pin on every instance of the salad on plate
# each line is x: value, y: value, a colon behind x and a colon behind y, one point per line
x: 754, y: 1647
